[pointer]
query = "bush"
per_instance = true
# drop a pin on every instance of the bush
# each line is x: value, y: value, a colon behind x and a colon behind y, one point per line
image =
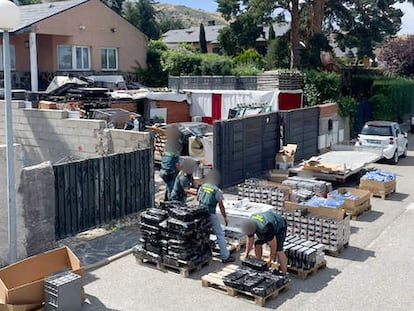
x: 212, y: 64
x: 178, y: 63
x: 347, y: 106
x: 321, y: 86
x: 153, y: 75
x: 250, y: 56
x: 246, y: 70
x: 393, y: 98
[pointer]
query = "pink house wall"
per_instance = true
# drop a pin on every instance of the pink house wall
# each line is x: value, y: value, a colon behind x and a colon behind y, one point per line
x: 90, y: 24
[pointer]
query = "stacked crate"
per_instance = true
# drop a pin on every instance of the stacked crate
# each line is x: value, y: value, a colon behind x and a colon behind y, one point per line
x: 258, y: 192
x: 63, y: 292
x: 332, y: 232
x: 175, y: 235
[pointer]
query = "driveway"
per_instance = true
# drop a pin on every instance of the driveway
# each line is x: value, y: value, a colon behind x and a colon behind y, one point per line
x: 374, y: 273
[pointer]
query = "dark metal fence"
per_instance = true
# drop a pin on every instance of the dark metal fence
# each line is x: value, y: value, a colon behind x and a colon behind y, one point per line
x: 96, y: 191
x: 301, y: 127
x: 245, y: 147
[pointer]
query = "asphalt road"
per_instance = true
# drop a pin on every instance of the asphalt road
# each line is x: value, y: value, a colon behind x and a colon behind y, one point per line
x: 374, y: 273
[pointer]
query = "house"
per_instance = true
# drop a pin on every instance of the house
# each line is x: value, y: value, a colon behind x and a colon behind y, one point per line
x: 192, y: 36
x: 76, y: 36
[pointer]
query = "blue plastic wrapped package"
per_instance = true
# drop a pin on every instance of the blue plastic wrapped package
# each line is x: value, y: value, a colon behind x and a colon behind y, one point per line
x: 380, y: 175
x: 330, y: 202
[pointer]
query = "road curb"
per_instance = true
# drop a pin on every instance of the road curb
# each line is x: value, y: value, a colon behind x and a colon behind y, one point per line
x: 108, y: 260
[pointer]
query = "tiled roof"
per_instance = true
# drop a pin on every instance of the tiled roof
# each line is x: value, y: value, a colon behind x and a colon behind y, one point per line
x: 33, y: 13
x: 191, y: 35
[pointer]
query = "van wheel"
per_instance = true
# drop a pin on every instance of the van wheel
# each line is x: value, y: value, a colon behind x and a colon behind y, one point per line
x: 395, y: 158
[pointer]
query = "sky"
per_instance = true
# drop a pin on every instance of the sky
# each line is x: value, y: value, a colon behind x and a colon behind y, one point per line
x: 211, y: 5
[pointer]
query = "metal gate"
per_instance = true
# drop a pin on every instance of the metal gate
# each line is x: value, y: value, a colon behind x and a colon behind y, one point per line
x: 96, y: 191
x: 245, y: 147
x: 301, y: 127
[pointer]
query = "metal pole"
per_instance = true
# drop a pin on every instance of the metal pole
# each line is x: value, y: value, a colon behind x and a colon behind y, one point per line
x: 11, y: 184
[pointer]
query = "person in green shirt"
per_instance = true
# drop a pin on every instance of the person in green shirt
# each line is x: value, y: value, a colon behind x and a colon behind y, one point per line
x: 269, y: 227
x: 184, y: 182
x: 209, y: 196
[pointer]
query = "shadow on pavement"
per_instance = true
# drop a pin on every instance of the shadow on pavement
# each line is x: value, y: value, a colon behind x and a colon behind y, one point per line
x: 89, y: 278
x: 397, y: 197
x: 354, y: 229
x: 94, y: 304
x: 312, y: 284
x: 92, y: 251
x: 356, y: 254
x: 370, y: 216
x: 407, y: 161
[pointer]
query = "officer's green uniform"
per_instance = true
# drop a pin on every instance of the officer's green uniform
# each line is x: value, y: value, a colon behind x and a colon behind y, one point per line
x: 269, y: 225
x: 182, y: 181
x: 207, y: 197
x: 169, y: 171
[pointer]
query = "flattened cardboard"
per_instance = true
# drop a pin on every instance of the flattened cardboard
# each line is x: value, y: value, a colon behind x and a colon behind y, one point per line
x: 22, y: 283
x: 33, y: 307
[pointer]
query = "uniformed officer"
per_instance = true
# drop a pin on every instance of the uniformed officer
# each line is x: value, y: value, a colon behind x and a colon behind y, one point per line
x: 170, y: 166
x: 209, y: 195
x: 184, y: 182
x: 269, y: 228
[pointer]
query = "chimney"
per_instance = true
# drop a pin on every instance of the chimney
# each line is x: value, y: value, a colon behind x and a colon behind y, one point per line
x: 211, y: 23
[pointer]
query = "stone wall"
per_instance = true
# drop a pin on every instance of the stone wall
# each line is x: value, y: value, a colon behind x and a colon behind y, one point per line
x: 48, y: 135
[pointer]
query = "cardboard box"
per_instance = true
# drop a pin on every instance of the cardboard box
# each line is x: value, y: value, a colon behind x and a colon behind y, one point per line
x: 377, y: 187
x: 285, y: 158
x: 22, y: 283
x: 363, y: 200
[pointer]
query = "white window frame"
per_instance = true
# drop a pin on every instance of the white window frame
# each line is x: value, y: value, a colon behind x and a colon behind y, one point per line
x: 107, y: 59
x: 74, y: 60
x: 12, y: 57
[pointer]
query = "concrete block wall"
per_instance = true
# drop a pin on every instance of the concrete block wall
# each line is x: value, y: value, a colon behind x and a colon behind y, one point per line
x: 21, y: 230
x: 48, y: 135
x: 35, y: 207
x: 340, y: 130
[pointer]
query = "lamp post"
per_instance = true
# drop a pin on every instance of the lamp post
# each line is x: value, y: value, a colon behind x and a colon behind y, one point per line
x: 9, y: 18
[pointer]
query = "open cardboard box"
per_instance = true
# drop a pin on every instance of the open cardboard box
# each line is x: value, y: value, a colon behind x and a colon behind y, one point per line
x: 22, y: 283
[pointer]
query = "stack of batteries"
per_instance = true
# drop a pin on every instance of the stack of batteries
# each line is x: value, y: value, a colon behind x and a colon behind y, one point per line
x: 258, y: 192
x: 317, y: 187
x: 333, y: 233
x: 259, y: 283
x: 175, y: 234
x: 303, y: 254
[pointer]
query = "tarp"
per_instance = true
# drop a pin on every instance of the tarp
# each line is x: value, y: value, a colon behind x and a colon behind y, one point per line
x: 136, y: 95
x: 201, y: 100
x: 60, y: 81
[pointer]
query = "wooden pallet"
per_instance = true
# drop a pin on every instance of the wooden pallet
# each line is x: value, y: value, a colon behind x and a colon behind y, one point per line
x: 356, y: 212
x: 337, y: 252
x: 215, y: 281
x: 185, y: 269
x: 233, y: 245
x: 303, y: 274
x: 379, y: 189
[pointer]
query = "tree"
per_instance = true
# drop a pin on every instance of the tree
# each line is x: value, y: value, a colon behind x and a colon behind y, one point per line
x: 277, y: 55
x: 116, y: 5
x: 202, y: 40
x: 142, y: 15
x: 167, y: 23
x: 154, y: 75
x: 361, y: 24
x: 397, y: 56
x: 272, y: 33
x: 240, y: 35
